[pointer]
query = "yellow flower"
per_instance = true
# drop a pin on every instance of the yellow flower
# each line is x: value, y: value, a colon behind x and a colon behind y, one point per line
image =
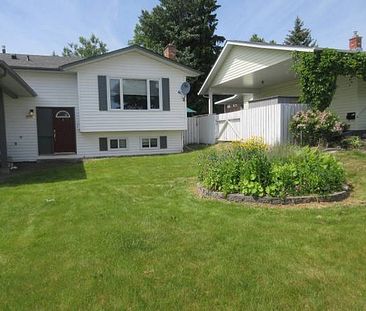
x: 253, y: 143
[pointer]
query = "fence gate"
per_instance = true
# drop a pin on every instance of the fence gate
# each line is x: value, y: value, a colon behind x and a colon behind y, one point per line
x: 229, y: 126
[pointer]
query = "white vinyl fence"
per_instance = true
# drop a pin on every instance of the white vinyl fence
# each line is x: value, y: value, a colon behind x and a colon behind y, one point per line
x: 201, y: 130
x: 268, y: 119
x: 192, y: 134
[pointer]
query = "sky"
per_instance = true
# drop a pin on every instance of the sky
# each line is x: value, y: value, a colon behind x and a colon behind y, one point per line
x: 44, y: 26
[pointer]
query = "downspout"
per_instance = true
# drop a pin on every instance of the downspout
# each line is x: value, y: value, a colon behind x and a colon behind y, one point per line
x: 3, y: 143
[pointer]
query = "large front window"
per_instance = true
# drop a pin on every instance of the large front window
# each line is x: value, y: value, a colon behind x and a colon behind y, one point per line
x: 134, y: 94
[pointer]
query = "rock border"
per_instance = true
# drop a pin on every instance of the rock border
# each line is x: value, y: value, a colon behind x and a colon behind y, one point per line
x: 241, y: 198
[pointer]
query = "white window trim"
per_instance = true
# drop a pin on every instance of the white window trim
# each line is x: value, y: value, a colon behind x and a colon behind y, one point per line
x: 119, y: 148
x: 150, y: 137
x: 121, y: 93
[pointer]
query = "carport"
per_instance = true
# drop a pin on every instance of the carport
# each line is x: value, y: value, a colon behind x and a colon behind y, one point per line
x: 14, y: 86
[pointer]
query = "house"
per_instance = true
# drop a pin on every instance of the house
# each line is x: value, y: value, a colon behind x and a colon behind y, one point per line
x: 124, y: 102
x: 260, y: 76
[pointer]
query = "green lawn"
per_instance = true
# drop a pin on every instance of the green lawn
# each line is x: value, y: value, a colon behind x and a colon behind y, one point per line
x: 131, y: 234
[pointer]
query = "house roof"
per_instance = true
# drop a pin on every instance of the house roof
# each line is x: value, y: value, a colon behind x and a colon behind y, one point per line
x: 38, y: 62
x: 12, y: 84
x: 137, y: 48
x: 60, y: 63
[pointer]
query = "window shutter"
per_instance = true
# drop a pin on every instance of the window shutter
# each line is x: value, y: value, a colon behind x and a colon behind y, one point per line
x: 102, y: 89
x: 103, y: 144
x: 163, y: 142
x: 166, y: 94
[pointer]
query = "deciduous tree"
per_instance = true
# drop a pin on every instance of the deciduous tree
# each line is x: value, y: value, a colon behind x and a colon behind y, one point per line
x: 86, y: 47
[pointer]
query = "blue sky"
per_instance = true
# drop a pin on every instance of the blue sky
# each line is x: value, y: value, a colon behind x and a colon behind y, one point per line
x: 43, y: 26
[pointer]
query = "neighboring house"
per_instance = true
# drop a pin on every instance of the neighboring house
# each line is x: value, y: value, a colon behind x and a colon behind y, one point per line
x: 260, y: 75
x: 124, y: 102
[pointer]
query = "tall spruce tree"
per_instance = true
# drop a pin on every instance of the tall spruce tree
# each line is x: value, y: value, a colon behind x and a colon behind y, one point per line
x: 190, y: 26
x: 299, y: 35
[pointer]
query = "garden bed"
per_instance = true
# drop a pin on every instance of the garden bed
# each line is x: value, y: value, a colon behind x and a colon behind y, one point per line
x: 251, y: 171
x: 241, y: 198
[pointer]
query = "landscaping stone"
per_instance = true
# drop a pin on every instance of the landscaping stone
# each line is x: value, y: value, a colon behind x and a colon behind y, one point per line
x: 237, y: 197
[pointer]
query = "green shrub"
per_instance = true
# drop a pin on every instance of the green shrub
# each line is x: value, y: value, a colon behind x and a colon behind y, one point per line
x: 352, y: 142
x: 314, y: 127
x: 254, y: 173
x: 284, y: 180
x: 234, y: 169
x: 310, y: 171
x: 319, y: 172
x: 278, y: 172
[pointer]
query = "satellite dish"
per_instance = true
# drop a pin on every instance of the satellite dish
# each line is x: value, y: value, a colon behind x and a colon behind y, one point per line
x: 184, y: 88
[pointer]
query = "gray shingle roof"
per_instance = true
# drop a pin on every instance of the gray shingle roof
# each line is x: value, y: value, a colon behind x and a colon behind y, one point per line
x: 43, y: 62
x: 36, y: 61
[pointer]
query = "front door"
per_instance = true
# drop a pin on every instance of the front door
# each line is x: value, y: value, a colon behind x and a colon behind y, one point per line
x: 64, y: 130
x: 56, y: 130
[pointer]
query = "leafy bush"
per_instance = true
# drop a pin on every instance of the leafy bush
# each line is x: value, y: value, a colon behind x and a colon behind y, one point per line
x: 315, y: 127
x: 309, y: 171
x: 234, y: 169
x: 253, y: 143
x: 352, y: 142
x: 256, y: 172
x: 284, y: 180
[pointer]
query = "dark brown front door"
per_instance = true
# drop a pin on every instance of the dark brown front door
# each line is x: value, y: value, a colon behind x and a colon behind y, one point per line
x: 64, y: 130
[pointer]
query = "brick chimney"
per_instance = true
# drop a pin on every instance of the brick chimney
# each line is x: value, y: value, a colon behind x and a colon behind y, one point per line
x: 355, y: 43
x: 170, y: 51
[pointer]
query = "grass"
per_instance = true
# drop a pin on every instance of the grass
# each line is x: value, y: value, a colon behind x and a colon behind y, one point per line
x: 131, y: 234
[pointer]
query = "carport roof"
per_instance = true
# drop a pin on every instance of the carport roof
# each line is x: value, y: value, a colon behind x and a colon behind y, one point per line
x: 12, y: 84
x: 235, y: 43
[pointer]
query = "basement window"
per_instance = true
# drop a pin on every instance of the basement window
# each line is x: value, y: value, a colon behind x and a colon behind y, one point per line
x: 149, y: 143
x: 118, y: 143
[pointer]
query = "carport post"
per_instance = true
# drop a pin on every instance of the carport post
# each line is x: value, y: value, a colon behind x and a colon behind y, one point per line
x: 210, y: 102
x: 3, y: 145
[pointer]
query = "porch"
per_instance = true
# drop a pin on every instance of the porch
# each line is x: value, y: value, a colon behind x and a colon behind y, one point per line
x: 15, y: 87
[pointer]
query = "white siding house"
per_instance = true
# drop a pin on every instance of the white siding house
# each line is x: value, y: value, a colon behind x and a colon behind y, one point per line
x: 125, y: 102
